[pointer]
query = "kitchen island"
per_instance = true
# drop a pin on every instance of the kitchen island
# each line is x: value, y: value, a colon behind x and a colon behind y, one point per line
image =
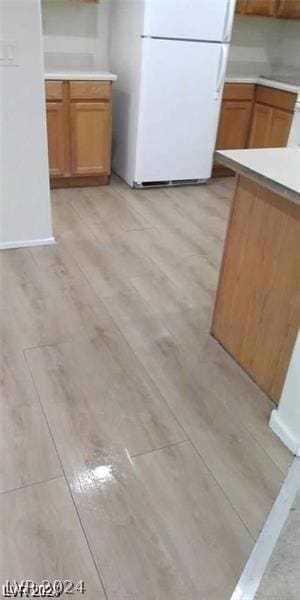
x: 257, y: 309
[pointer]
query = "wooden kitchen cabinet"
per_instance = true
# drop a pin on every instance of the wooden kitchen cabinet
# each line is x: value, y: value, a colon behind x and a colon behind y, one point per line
x: 261, y: 7
x: 253, y: 116
x: 257, y: 309
x: 235, y: 119
x: 240, y: 6
x: 280, y: 128
x: 234, y: 124
x: 285, y: 9
x: 79, y: 132
x: 289, y: 9
x: 272, y: 118
x: 270, y: 127
x: 56, y: 145
x: 90, y: 138
x: 260, y: 126
x: 90, y: 90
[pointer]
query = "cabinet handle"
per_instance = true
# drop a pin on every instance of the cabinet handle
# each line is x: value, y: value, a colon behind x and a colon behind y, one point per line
x: 228, y: 20
x: 222, y: 67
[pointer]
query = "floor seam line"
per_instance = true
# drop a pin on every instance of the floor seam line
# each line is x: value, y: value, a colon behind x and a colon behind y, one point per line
x: 28, y: 348
x: 76, y: 212
x: 158, y: 449
x: 179, y: 422
x: 170, y: 332
x: 244, y: 425
x: 134, y: 211
x: 184, y: 431
x: 66, y: 480
x: 28, y: 485
x: 86, y: 277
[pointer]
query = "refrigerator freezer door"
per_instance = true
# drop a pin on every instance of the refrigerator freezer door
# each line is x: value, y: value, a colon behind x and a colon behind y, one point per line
x: 181, y: 89
x: 206, y: 20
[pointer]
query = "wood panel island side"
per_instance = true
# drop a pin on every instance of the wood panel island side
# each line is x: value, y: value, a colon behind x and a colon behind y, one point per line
x: 257, y: 308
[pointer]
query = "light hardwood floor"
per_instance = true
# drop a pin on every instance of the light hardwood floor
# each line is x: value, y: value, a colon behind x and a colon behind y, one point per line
x: 135, y: 454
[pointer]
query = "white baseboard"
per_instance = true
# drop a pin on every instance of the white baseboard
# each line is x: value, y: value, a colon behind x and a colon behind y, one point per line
x: 284, y: 433
x: 27, y: 243
x: 254, y: 570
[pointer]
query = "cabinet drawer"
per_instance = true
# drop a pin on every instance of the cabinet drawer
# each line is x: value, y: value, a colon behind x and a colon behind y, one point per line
x: 90, y: 90
x: 54, y: 90
x: 238, y: 91
x: 276, y: 98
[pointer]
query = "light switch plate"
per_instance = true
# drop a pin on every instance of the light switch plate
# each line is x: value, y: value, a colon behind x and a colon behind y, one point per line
x: 9, y: 53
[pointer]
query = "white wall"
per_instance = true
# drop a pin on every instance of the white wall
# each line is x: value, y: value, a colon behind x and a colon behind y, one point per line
x: 76, y: 34
x: 24, y: 186
x: 262, y: 45
x: 251, y: 48
x: 285, y: 421
x: 287, y: 51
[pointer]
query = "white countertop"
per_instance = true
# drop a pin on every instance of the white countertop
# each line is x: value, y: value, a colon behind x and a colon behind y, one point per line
x: 79, y: 73
x: 96, y: 74
x: 279, y: 85
x: 277, y: 169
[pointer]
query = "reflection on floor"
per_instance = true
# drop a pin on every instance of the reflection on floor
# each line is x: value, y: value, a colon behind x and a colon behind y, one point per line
x: 135, y: 454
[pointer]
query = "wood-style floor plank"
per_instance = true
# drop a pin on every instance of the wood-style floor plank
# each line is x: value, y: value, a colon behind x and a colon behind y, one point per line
x: 166, y: 529
x: 26, y: 449
x: 99, y: 399
x: 162, y: 440
x: 197, y: 394
x: 41, y: 538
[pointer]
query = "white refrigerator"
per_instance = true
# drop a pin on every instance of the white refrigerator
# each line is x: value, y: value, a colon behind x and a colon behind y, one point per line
x: 170, y: 57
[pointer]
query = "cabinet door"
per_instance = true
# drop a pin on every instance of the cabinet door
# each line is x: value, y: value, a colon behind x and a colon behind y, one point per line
x: 55, y: 130
x: 90, y: 137
x: 261, y: 126
x: 234, y: 124
x: 270, y: 127
x: 289, y: 9
x: 280, y: 127
x: 240, y: 6
x: 261, y: 7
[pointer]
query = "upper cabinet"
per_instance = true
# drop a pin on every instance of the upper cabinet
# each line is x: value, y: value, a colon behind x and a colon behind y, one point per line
x: 285, y: 9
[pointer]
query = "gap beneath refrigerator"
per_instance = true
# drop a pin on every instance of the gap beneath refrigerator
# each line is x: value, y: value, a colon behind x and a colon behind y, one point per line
x: 169, y: 183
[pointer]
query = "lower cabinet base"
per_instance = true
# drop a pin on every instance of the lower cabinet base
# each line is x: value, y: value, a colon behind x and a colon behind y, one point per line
x: 221, y: 171
x: 257, y: 309
x: 69, y: 182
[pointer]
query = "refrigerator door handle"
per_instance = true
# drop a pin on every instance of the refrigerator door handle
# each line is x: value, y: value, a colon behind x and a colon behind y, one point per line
x: 228, y: 20
x: 222, y: 67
